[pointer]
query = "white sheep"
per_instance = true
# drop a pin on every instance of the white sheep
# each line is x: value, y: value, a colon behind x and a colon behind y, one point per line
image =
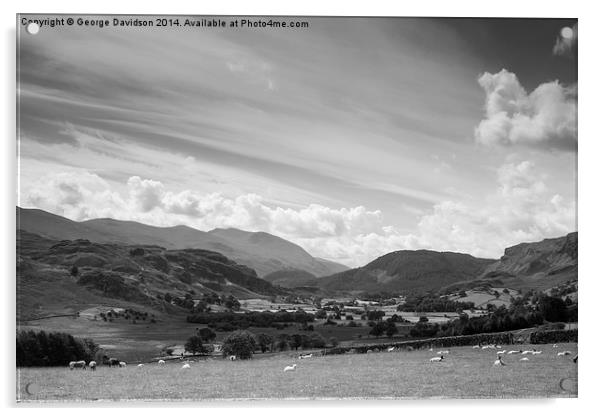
x: 564, y: 353
x: 514, y: 352
x: 443, y: 352
x: 536, y: 352
x: 185, y: 366
x: 92, y: 365
x: 501, y: 352
x: 140, y: 365
x: 122, y: 364
x: 524, y: 359
x: 232, y: 357
x: 499, y: 361
x: 290, y: 368
x: 437, y: 359
x: 161, y: 362
x: 391, y: 349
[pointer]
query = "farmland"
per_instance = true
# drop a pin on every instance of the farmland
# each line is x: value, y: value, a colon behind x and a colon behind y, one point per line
x: 465, y: 373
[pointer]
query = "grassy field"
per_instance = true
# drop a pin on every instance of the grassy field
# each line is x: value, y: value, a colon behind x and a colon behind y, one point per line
x: 465, y: 373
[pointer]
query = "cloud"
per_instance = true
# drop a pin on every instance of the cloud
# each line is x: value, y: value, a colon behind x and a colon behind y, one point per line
x: 521, y: 208
x: 566, y: 42
x: 546, y: 118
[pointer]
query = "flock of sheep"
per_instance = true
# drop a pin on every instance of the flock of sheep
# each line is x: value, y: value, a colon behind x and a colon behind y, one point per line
x: 439, y: 358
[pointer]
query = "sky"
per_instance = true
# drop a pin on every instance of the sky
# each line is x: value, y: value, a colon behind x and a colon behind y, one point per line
x: 353, y: 137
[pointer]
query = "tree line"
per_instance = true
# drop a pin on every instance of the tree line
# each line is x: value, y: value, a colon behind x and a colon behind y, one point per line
x: 43, y: 349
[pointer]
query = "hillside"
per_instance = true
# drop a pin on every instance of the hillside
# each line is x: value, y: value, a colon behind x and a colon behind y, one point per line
x: 260, y: 251
x: 413, y: 271
x: 539, y: 265
x: 107, y: 273
x: 292, y: 278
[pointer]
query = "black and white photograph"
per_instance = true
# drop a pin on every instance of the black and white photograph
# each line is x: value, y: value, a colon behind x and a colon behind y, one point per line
x: 275, y: 207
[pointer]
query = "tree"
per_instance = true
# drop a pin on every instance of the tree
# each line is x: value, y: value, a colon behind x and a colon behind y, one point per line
x: 378, y: 329
x: 239, y: 343
x: 206, y: 334
x: 264, y: 341
x: 391, y: 329
x: 321, y: 314
x: 333, y: 341
x: 232, y: 303
x: 195, y: 345
x: 296, y: 341
x: 553, y: 309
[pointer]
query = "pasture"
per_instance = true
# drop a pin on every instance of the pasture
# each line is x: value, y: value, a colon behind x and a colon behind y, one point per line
x: 465, y: 373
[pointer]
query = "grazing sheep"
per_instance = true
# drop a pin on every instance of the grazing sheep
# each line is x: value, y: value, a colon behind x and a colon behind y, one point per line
x: 290, y: 368
x: 302, y: 356
x: 390, y: 349
x: 501, y: 352
x: 555, y: 346
x: 122, y: 364
x: 77, y: 364
x: 232, y: 357
x: 514, y: 352
x: 185, y: 366
x: 536, y: 352
x: 140, y: 365
x: 524, y: 359
x: 443, y: 352
x: 437, y: 359
x: 161, y: 362
x: 476, y: 347
x: 564, y: 353
x: 499, y: 361
x: 92, y: 365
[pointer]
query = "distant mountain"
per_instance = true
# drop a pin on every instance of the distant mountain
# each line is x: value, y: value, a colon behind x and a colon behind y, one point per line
x: 292, y: 278
x: 105, y: 273
x: 406, y: 270
x: 539, y: 265
x: 263, y: 252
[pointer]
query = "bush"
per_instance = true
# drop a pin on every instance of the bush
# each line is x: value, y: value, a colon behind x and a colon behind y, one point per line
x: 548, y: 337
x: 195, y: 345
x: 239, y: 343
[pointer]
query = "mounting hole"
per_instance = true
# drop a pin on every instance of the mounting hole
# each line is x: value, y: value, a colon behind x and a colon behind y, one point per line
x: 33, y: 28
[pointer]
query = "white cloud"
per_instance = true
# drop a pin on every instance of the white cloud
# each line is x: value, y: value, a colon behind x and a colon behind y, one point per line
x: 521, y: 208
x: 546, y: 118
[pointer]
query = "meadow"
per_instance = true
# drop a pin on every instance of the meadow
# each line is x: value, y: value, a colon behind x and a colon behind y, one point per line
x: 465, y: 373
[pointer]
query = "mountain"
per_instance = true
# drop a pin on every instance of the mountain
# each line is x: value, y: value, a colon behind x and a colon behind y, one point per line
x: 263, y: 252
x: 540, y: 265
x: 79, y: 271
x: 406, y: 270
x: 292, y: 278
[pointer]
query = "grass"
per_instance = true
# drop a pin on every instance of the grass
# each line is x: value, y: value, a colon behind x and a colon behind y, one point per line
x: 465, y: 373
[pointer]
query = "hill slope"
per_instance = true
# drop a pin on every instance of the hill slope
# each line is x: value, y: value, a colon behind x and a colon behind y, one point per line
x: 136, y: 274
x: 540, y: 265
x: 292, y: 278
x: 262, y: 252
x: 407, y: 270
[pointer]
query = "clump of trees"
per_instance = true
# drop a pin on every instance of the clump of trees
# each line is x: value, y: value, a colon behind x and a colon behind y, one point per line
x: 195, y: 345
x: 229, y: 321
x: 431, y: 303
x: 239, y: 343
x: 42, y: 349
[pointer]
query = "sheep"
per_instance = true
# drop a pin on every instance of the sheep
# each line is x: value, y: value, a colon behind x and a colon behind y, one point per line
x: 140, y: 365
x: 476, y: 347
x: 515, y: 352
x: 302, y: 356
x: 185, y: 366
x: 564, y: 353
x: 437, y: 359
x: 536, y: 352
x: 501, y: 352
x: 524, y: 359
x: 77, y: 364
x: 443, y: 352
x: 499, y: 361
x: 555, y: 346
x: 122, y: 364
x: 232, y: 357
x: 290, y: 368
x: 161, y: 362
x: 92, y: 365
x: 390, y: 349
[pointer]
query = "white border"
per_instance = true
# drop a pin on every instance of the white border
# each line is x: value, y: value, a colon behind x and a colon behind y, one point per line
x: 589, y: 178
